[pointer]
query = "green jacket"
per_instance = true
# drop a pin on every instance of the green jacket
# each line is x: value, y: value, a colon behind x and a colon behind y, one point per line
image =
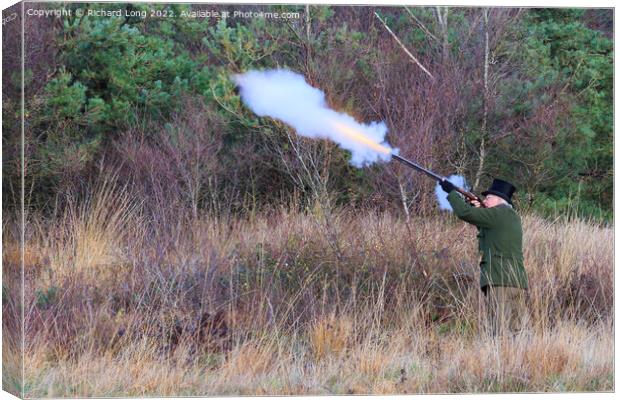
x: 500, y: 241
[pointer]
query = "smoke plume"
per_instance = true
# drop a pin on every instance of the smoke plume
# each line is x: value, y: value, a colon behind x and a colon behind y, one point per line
x: 285, y: 95
x: 442, y: 197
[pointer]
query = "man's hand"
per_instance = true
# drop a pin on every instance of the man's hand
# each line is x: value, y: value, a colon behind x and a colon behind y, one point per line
x: 475, y: 203
x: 447, y: 186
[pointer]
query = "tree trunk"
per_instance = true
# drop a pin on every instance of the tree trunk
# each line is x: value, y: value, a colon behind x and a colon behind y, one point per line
x: 442, y: 19
x: 403, y: 199
x: 308, y: 22
x: 485, y: 102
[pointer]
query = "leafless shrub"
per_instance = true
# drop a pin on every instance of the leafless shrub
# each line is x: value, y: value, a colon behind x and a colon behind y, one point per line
x: 178, y: 167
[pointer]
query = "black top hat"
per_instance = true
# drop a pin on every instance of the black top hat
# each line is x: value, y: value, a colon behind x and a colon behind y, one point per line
x: 501, y: 189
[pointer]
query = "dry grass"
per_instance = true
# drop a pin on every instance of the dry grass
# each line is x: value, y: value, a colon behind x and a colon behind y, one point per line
x: 542, y: 362
x: 93, y: 234
x: 330, y: 336
x: 117, y: 303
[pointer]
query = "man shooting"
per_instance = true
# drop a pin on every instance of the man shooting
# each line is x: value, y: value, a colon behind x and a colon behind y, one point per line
x: 503, y: 279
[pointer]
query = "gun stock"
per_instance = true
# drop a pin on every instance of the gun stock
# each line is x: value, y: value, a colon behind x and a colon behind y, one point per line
x: 470, y: 196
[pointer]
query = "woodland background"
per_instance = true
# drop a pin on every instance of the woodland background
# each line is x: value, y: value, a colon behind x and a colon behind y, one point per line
x: 523, y: 94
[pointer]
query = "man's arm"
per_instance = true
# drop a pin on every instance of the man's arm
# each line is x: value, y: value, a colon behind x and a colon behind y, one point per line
x: 482, y: 217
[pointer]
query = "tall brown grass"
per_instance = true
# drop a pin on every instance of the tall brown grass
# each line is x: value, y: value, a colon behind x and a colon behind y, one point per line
x: 323, y: 301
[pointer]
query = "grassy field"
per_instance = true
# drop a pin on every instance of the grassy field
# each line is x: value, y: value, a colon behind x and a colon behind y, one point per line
x: 120, y: 302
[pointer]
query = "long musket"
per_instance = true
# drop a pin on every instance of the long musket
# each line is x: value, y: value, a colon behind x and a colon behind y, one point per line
x: 470, y: 196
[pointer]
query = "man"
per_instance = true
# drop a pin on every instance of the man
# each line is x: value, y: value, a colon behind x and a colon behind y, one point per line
x: 502, y: 276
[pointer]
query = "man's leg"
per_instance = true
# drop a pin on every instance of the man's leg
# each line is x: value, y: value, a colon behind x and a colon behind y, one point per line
x: 499, y: 309
x: 519, y: 315
x: 494, y: 310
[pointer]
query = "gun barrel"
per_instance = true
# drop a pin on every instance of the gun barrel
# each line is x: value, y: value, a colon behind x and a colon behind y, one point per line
x: 411, y: 164
x: 436, y: 177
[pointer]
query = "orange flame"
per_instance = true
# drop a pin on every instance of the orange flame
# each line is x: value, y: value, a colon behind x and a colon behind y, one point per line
x: 360, y: 138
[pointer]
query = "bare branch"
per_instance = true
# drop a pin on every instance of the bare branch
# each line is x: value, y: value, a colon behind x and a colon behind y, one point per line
x: 422, y: 26
x: 404, y: 48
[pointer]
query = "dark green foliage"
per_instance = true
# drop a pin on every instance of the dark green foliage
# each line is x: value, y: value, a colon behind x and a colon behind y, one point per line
x: 128, y: 72
x: 566, y: 63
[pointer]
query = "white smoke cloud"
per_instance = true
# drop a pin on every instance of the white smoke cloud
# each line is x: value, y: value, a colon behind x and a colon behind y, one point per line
x: 442, y: 197
x: 285, y: 95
